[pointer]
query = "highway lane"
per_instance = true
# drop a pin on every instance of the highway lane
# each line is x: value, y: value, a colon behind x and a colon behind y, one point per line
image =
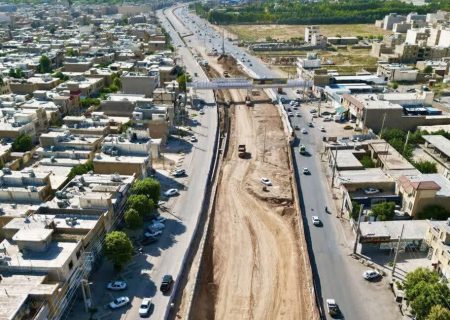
x: 166, y: 256
x: 337, y: 274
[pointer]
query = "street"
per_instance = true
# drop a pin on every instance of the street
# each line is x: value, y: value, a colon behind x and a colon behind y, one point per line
x: 337, y: 275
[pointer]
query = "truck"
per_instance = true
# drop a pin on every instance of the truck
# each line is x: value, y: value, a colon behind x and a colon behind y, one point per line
x: 242, y: 152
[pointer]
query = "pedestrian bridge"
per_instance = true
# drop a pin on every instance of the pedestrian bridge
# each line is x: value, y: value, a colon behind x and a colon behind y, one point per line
x: 243, y: 83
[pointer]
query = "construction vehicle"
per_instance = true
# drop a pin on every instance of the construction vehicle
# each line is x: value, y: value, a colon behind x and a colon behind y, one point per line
x: 242, y: 152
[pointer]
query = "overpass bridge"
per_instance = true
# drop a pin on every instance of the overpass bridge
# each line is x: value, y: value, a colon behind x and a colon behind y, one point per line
x: 243, y: 83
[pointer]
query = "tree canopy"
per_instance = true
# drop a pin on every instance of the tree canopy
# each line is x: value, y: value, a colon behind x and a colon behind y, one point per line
x: 149, y: 187
x: 45, y: 65
x: 424, y: 289
x: 23, y: 143
x: 425, y: 166
x: 435, y: 212
x: 141, y: 204
x: 81, y: 169
x: 118, y: 249
x: 133, y: 219
x: 438, y: 312
x: 383, y: 211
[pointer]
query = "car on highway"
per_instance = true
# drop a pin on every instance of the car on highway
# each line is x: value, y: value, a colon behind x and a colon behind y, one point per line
x: 166, y: 283
x: 306, y: 171
x: 304, y: 131
x: 296, y: 127
x: 148, y: 240
x: 193, y: 139
x: 316, y: 220
x: 145, y: 307
x: 153, y: 233
x: 171, y: 192
x: 371, y: 274
x: 117, y: 285
x: 119, y: 302
x: 322, y: 129
x: 310, y: 124
x: 290, y: 114
x: 297, y: 114
x: 332, y: 307
x: 178, y: 173
x: 370, y: 190
x: 266, y: 181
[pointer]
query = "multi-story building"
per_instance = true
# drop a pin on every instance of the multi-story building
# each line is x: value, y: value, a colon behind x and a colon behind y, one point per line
x: 137, y: 83
x: 437, y: 238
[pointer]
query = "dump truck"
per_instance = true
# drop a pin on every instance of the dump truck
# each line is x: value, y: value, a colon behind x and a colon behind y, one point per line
x: 242, y: 152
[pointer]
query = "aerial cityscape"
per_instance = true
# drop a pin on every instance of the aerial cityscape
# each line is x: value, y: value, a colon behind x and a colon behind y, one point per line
x: 225, y: 159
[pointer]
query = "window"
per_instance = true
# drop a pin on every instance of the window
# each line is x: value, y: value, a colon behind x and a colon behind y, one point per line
x: 70, y: 265
x: 78, y: 254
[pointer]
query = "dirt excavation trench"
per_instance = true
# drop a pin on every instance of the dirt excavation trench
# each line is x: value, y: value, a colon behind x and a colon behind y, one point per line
x: 255, y: 259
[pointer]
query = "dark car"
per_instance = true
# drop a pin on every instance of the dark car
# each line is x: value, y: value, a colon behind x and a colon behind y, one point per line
x: 148, y: 240
x: 166, y: 283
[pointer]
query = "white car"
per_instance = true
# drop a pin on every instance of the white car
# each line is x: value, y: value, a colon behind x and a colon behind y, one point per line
x: 194, y: 139
x: 304, y: 131
x: 201, y: 112
x: 119, y: 302
x: 290, y: 114
x: 159, y: 219
x: 306, y: 171
x: 371, y: 274
x: 322, y: 129
x: 146, y: 304
x: 298, y: 114
x: 171, y: 192
x: 266, y: 181
x: 153, y: 234
x: 371, y: 190
x: 117, y: 285
x: 316, y: 220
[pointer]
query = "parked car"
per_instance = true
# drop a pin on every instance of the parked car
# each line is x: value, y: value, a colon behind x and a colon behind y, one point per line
x: 117, y: 285
x: 296, y: 127
x: 290, y: 114
x: 149, y: 240
x: 371, y: 190
x: 171, y: 192
x: 313, y: 111
x: 159, y: 219
x: 316, y: 220
x: 193, y: 139
x: 304, y: 131
x: 156, y: 226
x: 327, y: 119
x: 297, y: 114
x: 146, y: 304
x: 266, y: 181
x: 166, y: 283
x: 306, y: 171
x: 310, y: 124
x: 371, y: 274
x: 332, y: 307
x: 119, y: 302
x: 322, y: 129
x: 153, y: 233
x: 178, y: 172
x: 201, y: 112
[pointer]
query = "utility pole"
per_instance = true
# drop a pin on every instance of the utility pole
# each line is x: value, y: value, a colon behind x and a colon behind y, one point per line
x: 406, y: 142
x: 382, y: 125
x: 396, y: 252
x: 357, y: 228
x: 334, y: 166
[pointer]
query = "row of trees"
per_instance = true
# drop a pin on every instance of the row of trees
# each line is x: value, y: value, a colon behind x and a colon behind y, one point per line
x: 322, y: 12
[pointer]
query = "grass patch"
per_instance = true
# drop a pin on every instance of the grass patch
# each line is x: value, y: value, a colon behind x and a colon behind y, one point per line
x: 285, y: 32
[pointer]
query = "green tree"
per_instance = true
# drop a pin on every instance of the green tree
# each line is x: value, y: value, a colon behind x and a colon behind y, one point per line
x: 428, y: 69
x: 81, y: 169
x: 23, y: 143
x: 87, y: 102
x: 355, y: 211
x: 133, y: 219
x: 116, y: 82
x: 424, y: 289
x: 52, y: 29
x: 383, y: 211
x: 16, y: 73
x: 394, y: 85
x: 425, y: 166
x: 45, y: 65
x: 435, y: 212
x: 118, y: 249
x: 61, y: 76
x: 438, y: 312
x: 143, y: 205
x: 367, y: 162
x: 390, y: 134
x: 149, y: 187
x: 182, y: 80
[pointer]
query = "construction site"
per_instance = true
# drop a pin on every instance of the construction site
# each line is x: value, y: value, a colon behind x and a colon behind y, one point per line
x: 255, y: 263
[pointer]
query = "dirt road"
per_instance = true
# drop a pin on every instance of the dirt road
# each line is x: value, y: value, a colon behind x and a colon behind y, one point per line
x: 255, y: 265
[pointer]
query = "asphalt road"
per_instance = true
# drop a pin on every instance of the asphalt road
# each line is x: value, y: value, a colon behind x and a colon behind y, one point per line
x: 336, y: 275
x: 166, y: 256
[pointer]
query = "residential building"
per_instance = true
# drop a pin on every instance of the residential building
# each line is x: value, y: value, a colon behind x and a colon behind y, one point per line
x: 438, y: 239
x: 397, y: 72
x: 136, y: 83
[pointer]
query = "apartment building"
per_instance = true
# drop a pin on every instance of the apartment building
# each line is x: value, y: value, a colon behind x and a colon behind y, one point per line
x: 139, y: 83
x: 438, y: 239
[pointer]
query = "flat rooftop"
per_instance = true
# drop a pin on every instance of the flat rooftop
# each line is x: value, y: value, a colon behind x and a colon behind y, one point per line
x: 15, y: 289
x: 439, y: 142
x: 346, y: 159
x: 135, y: 159
x: 370, y: 175
x: 390, y: 157
x: 414, y: 229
